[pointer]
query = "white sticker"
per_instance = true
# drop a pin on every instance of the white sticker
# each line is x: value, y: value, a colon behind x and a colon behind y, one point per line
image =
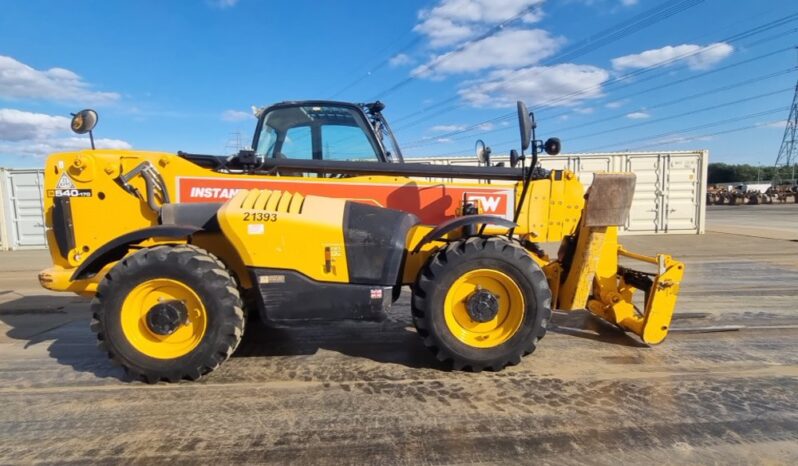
x: 256, y: 228
x: 270, y: 279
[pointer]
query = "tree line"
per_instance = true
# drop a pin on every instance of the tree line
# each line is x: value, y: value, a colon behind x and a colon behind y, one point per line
x: 731, y: 173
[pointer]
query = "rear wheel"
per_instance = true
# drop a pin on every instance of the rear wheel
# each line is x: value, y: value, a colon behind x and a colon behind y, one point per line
x: 481, y: 304
x: 168, y: 313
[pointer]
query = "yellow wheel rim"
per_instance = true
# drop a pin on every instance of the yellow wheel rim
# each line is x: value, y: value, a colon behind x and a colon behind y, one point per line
x: 150, y: 293
x: 508, y: 319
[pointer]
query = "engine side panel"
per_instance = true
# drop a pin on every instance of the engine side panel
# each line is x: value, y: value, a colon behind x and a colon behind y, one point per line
x: 375, y: 243
x: 324, y: 239
x: 276, y: 229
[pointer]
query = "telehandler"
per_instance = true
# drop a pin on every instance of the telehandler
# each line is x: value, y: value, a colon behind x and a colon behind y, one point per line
x: 320, y: 221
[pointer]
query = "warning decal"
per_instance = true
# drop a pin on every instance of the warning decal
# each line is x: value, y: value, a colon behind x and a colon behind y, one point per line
x: 65, y: 183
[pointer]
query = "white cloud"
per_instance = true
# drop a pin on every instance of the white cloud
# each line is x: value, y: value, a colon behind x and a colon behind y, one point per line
x: 447, y: 128
x: 452, y: 21
x: 236, y: 115
x: 629, y: 2
x: 454, y: 128
x: 38, y: 134
x: 16, y: 125
x: 558, y: 85
x: 44, y: 147
x: 678, y: 140
x: 778, y: 124
x: 508, y: 48
x: 222, y: 4
x: 584, y: 110
x: 617, y: 103
x: 638, y: 115
x: 443, y: 140
x: 20, y: 81
x: 400, y: 59
x: 696, y: 56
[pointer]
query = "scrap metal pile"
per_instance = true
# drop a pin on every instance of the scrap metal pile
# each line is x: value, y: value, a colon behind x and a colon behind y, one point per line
x: 751, y: 194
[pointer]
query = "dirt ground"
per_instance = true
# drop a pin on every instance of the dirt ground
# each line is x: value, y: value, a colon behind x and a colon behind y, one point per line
x: 722, y: 389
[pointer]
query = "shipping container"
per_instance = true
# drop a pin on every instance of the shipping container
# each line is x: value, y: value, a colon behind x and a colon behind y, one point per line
x: 3, y: 228
x: 669, y: 193
x: 22, y: 208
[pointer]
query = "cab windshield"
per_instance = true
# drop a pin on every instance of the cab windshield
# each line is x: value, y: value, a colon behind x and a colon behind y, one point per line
x: 324, y: 132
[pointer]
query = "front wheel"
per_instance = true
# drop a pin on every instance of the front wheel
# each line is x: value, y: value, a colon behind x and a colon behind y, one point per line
x: 481, y: 303
x: 168, y: 313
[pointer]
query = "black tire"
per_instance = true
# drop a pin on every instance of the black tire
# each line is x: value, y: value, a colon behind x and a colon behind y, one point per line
x: 193, y: 267
x: 446, y: 266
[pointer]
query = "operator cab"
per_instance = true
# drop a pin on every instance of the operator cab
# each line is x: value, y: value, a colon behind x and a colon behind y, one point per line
x: 325, y: 130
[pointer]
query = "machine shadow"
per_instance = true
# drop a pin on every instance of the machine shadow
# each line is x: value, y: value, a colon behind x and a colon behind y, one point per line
x: 583, y: 324
x: 62, y: 323
x: 382, y: 342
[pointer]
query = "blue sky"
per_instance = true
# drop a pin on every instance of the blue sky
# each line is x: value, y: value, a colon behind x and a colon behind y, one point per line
x: 183, y: 75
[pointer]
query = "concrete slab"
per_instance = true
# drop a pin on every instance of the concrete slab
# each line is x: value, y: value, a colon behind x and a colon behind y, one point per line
x: 370, y: 393
x: 777, y: 221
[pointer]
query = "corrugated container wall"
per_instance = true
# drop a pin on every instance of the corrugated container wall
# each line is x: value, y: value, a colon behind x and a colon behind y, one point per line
x: 669, y: 193
x: 3, y: 228
x: 21, y: 209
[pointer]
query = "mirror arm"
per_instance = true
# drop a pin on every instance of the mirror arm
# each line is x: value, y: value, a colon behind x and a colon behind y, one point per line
x: 91, y: 138
x: 527, y: 179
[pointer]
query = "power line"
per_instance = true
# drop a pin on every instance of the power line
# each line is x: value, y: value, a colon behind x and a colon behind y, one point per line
x: 648, y: 138
x: 754, y: 80
x: 625, y: 28
x: 680, y: 115
x: 670, y: 83
x: 692, y: 128
x: 624, y: 78
x: 412, y: 43
x: 700, y: 75
x: 734, y: 38
x: 748, y: 33
x: 707, y: 135
x: 647, y: 18
x: 442, y: 58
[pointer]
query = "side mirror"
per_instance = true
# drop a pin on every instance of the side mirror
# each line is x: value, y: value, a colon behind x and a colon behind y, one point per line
x: 515, y: 158
x: 524, y: 125
x: 84, y: 121
x: 482, y: 152
x: 552, y: 146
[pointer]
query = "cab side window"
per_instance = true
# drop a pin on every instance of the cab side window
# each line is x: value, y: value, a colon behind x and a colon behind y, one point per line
x: 298, y: 144
x: 343, y: 142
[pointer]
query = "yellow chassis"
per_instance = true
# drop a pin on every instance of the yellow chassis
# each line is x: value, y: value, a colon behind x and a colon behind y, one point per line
x: 554, y: 210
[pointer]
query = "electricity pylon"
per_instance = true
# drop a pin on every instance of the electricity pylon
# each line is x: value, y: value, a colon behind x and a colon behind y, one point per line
x: 788, y: 152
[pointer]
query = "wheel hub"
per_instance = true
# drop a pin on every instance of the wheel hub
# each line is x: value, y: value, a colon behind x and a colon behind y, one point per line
x: 482, y: 306
x: 166, y: 317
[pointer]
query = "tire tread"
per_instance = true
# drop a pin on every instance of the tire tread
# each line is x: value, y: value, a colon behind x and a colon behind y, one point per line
x: 206, y: 267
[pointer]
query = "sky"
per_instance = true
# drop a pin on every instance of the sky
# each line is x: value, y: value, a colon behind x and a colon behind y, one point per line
x: 603, y: 75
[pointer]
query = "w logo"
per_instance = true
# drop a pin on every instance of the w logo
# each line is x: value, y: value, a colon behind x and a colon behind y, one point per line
x: 487, y: 203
